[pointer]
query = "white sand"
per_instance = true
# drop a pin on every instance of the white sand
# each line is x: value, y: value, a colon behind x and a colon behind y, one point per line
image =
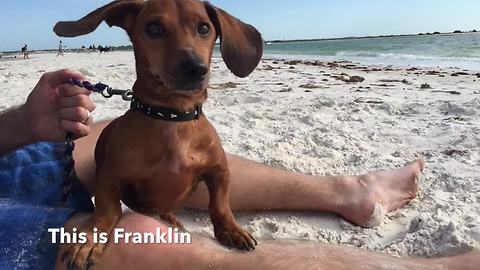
x: 337, y: 128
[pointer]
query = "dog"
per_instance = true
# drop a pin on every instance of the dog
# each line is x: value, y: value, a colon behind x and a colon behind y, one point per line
x: 153, y: 157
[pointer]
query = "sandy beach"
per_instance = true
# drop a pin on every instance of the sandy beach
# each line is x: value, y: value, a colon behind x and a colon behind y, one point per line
x: 327, y: 118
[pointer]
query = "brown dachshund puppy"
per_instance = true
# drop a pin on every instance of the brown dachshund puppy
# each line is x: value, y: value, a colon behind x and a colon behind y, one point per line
x: 153, y: 157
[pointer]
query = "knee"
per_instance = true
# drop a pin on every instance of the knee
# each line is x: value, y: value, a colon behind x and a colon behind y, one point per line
x: 136, y: 224
x: 121, y: 255
x: 151, y: 255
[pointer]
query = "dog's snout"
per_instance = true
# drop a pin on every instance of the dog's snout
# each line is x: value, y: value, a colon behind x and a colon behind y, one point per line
x: 193, y: 69
x: 190, y: 70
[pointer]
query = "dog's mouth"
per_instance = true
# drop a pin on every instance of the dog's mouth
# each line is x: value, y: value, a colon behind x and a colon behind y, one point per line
x: 185, y: 86
x: 190, y: 86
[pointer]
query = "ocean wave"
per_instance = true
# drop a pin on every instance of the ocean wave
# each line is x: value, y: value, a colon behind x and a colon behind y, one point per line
x: 401, y: 56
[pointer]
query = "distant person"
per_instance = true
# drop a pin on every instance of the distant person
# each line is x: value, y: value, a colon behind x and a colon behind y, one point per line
x: 104, y: 49
x: 25, y: 52
x: 60, y: 49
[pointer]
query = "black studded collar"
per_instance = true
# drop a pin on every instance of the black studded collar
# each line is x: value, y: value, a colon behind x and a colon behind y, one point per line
x: 166, y: 114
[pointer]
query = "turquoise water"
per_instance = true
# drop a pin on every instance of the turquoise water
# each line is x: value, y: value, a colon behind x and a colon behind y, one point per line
x: 446, y: 50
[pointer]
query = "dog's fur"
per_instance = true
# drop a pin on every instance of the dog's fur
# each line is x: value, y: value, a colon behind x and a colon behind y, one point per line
x: 153, y: 165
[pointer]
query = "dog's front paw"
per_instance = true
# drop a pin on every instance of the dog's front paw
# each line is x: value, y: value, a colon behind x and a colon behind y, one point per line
x: 82, y: 256
x: 236, y: 237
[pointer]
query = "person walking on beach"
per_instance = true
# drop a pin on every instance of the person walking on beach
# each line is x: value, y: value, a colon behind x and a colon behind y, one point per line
x: 60, y: 49
x: 25, y: 52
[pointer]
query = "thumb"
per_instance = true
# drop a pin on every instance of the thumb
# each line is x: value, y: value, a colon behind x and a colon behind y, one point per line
x: 56, y: 78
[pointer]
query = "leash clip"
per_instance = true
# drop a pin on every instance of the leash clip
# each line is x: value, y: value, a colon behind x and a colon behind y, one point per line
x: 198, y: 109
x: 109, y: 92
x: 128, y: 95
x: 105, y: 90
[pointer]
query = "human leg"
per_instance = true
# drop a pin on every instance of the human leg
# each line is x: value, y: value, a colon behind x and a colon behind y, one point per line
x: 356, y: 198
x: 142, y: 256
x: 206, y: 253
x: 84, y: 156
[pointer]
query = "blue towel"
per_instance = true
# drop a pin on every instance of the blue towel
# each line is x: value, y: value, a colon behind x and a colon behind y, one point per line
x: 31, y: 181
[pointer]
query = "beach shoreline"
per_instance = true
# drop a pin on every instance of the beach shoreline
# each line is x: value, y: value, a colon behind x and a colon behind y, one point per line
x: 327, y: 117
x: 403, y: 51
x: 399, y: 63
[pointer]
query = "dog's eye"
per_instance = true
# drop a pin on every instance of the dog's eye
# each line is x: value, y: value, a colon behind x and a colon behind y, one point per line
x: 155, y: 30
x: 203, y: 29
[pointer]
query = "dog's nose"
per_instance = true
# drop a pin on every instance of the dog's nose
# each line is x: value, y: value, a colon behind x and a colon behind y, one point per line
x: 193, y: 69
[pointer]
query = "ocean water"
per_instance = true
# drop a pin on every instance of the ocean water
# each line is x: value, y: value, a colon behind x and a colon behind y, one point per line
x: 445, y: 50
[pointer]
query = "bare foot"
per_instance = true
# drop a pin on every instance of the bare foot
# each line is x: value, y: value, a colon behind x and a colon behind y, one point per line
x: 367, y: 198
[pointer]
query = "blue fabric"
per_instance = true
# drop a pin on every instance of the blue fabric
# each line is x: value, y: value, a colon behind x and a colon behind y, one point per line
x: 31, y: 181
x: 25, y: 241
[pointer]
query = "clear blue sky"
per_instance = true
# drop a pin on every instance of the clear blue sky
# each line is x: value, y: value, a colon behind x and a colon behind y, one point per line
x: 31, y: 21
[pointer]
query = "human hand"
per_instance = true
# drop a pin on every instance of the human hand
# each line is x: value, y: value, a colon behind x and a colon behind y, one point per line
x: 56, y: 107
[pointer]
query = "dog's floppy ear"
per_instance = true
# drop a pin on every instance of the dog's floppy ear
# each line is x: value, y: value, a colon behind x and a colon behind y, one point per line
x: 240, y: 43
x: 121, y: 13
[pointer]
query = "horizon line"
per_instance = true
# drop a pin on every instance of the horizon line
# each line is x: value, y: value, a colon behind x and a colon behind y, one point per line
x: 306, y: 39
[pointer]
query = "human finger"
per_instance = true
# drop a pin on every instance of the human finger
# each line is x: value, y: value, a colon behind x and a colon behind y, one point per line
x: 80, y: 100
x: 68, y: 90
x: 76, y: 114
x: 77, y: 128
x: 56, y: 78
